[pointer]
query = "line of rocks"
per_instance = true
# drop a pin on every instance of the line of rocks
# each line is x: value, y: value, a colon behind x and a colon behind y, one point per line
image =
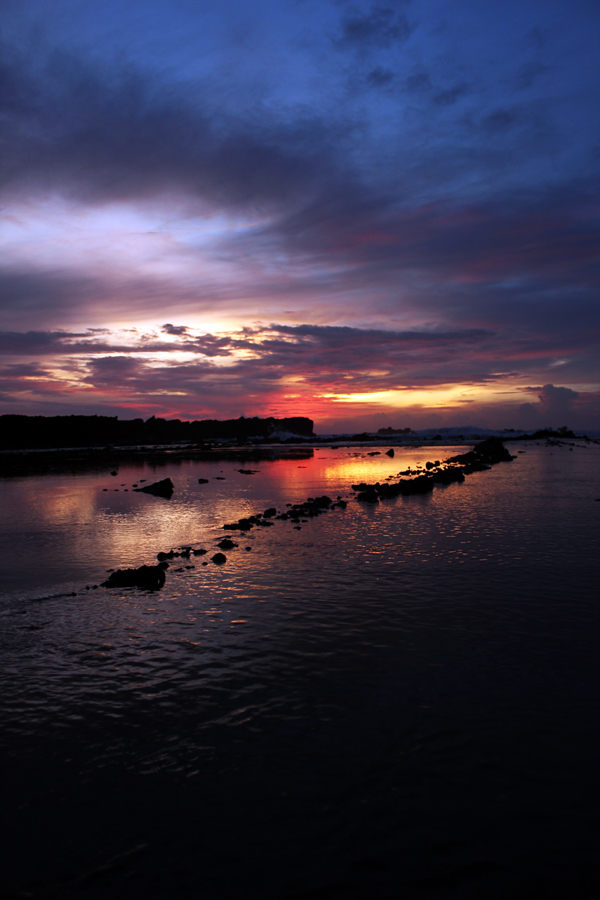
x: 455, y: 469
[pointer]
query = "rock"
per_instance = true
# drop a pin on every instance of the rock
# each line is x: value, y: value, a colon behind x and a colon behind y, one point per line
x: 113, y: 474
x: 199, y: 552
x: 242, y: 525
x: 162, y: 488
x: 390, y: 453
x: 368, y: 497
x: 219, y: 559
x: 220, y: 478
x: 149, y: 578
x: 162, y: 556
x: 226, y: 544
x: 203, y: 481
x: 269, y: 513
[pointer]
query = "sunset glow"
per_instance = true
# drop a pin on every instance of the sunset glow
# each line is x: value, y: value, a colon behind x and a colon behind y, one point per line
x: 370, y: 222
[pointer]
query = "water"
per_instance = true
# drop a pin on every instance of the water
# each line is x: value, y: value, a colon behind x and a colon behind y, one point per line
x: 395, y: 701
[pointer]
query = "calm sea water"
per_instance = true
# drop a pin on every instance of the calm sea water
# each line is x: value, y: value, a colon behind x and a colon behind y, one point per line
x: 397, y: 700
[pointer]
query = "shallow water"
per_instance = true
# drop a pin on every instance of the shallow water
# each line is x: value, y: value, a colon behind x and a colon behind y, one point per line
x: 397, y: 700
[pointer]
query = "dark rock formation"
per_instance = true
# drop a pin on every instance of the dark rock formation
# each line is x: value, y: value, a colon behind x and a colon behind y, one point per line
x: 480, y: 458
x: 487, y: 453
x: 149, y: 578
x: 226, y: 544
x: 162, y: 488
x: 390, y: 453
x: 368, y: 496
x: 203, y: 481
x: 241, y: 525
x: 219, y: 559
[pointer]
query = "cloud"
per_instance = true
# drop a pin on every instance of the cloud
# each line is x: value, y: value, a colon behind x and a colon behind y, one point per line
x: 559, y: 406
x: 528, y: 74
x: 174, y: 329
x: 381, y: 27
x: 449, y: 96
x: 556, y: 401
x: 418, y: 82
x: 278, y: 368
x: 500, y: 120
x: 101, y: 134
x: 380, y: 77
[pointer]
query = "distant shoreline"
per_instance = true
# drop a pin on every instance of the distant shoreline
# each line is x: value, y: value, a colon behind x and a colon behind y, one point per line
x: 34, y: 461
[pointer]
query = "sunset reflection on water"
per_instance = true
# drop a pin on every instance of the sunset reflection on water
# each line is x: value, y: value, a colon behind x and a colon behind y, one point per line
x: 384, y: 660
x: 80, y: 525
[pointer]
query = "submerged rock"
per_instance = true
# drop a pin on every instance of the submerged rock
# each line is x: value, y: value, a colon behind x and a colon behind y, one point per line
x: 149, y: 578
x: 162, y: 488
x: 219, y: 559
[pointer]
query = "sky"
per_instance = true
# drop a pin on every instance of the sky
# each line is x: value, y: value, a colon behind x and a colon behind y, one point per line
x: 369, y: 213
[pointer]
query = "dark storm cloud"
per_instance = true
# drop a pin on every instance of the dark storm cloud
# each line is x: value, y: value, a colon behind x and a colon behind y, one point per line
x: 418, y: 82
x: 29, y: 293
x: 380, y: 77
x: 528, y: 74
x: 556, y: 405
x: 116, y: 133
x: 449, y: 96
x: 556, y: 400
x: 99, y: 292
x: 16, y: 377
x: 500, y: 120
x: 115, y: 371
x: 381, y: 27
x: 523, y: 236
x: 34, y: 343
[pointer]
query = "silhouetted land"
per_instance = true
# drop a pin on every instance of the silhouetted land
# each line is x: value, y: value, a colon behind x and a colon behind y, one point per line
x: 45, y: 433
